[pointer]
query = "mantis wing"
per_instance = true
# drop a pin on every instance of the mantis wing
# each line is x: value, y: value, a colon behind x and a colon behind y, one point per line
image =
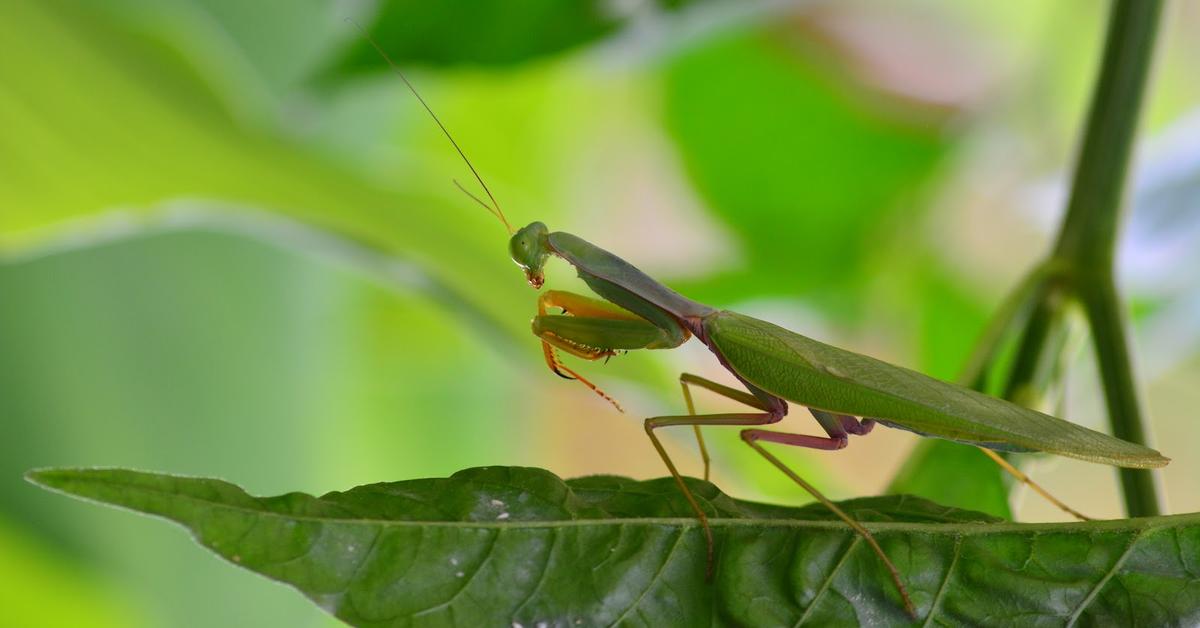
x: 592, y: 260
x: 824, y: 377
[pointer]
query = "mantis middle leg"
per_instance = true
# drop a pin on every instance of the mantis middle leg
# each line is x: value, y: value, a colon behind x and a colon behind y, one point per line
x: 848, y: 424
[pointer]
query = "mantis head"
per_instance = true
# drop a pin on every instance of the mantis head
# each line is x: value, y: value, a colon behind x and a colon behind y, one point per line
x: 529, y: 250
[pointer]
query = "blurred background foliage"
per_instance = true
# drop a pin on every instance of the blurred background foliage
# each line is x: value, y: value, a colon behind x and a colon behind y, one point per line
x: 230, y: 245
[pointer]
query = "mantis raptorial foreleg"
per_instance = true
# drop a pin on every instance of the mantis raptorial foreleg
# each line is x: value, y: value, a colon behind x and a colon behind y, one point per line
x: 578, y: 305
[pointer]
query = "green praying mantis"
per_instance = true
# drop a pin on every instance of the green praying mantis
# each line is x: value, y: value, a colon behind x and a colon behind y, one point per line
x: 846, y: 392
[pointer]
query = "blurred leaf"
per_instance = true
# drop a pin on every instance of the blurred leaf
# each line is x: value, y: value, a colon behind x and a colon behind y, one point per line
x: 962, y: 476
x: 254, y: 54
x: 952, y: 318
x: 490, y: 546
x: 802, y: 170
x: 484, y: 32
x: 34, y: 582
x: 953, y: 473
x: 944, y: 471
x: 153, y: 131
x: 211, y: 353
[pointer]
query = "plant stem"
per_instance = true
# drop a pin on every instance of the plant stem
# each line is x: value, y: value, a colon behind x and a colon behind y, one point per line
x: 1035, y: 350
x: 1088, y: 234
x: 1087, y: 242
x: 1110, y: 336
x: 1080, y: 268
x: 1011, y: 317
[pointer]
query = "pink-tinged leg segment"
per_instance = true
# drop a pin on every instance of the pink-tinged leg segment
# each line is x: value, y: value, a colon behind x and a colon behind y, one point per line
x: 856, y: 427
x: 796, y: 440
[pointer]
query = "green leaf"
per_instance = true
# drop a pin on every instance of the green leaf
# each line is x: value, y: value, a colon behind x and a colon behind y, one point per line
x: 518, y: 546
x: 35, y: 578
x: 189, y: 148
x: 805, y: 172
x: 953, y: 473
x: 484, y: 32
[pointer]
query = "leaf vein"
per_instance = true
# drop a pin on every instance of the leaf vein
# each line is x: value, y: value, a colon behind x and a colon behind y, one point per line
x: 467, y: 582
x: 1104, y: 581
x: 307, y: 551
x: 972, y: 529
x: 828, y: 581
x: 937, y: 599
x: 541, y: 579
x: 366, y: 557
x: 657, y: 574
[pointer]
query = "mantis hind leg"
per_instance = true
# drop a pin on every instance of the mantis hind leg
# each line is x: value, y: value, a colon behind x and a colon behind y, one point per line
x: 837, y: 426
x: 855, y: 426
x: 771, y: 413
x: 751, y: 437
x: 1028, y: 481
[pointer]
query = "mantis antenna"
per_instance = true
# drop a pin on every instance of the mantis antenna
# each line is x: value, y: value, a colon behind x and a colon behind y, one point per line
x: 494, y: 208
x: 478, y: 200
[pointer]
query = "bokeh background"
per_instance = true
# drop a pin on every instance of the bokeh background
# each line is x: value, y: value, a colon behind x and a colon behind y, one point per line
x: 230, y: 245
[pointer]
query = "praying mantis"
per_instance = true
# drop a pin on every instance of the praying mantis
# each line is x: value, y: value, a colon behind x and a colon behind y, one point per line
x: 847, y: 393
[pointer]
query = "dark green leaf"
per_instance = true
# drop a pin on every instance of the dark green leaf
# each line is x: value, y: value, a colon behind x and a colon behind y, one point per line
x: 483, y: 32
x: 516, y: 546
x: 953, y: 473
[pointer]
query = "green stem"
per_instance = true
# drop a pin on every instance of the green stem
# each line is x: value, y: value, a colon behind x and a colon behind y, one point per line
x: 1087, y: 242
x: 1011, y: 316
x: 1089, y: 231
x: 1109, y: 333
x: 1034, y: 350
x: 1035, y: 376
